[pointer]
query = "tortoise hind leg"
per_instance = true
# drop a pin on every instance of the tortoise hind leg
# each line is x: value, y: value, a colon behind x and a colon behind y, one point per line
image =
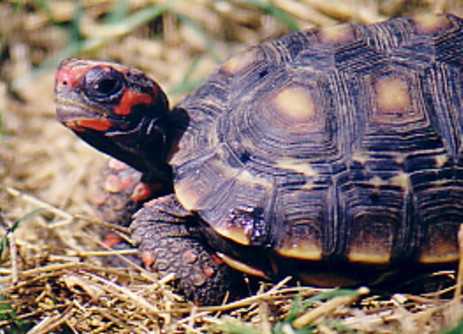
x: 169, y: 244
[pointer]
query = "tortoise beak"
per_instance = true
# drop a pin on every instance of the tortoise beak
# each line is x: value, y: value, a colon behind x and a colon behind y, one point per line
x: 79, y: 117
x: 69, y: 107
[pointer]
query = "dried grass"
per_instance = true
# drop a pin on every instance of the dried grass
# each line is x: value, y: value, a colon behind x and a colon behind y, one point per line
x: 51, y: 275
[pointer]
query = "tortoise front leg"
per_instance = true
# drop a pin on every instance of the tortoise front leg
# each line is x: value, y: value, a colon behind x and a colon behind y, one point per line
x: 169, y: 244
x: 120, y: 191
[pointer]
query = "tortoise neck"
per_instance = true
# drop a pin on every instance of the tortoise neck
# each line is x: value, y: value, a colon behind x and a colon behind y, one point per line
x: 146, y: 147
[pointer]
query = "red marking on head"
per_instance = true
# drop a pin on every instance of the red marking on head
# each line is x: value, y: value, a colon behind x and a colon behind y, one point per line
x: 130, y: 99
x: 69, y: 74
x: 100, y: 124
x: 111, y: 240
x: 73, y: 125
x: 141, y: 192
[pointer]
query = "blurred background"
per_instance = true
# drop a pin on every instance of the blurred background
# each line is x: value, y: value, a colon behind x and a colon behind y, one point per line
x: 42, y: 165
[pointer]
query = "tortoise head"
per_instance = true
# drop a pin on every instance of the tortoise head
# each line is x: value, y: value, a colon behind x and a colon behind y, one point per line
x: 116, y: 109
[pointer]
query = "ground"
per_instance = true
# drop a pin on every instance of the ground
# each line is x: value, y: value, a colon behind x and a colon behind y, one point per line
x: 50, y: 271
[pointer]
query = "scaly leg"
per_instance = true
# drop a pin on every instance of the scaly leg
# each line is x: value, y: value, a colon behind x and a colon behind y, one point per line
x: 120, y: 192
x: 170, y: 243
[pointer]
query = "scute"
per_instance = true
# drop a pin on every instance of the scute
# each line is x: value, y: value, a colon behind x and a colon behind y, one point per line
x: 334, y: 146
x: 429, y: 24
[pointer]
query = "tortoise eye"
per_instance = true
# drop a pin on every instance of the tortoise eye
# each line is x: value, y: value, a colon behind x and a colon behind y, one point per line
x: 103, y: 84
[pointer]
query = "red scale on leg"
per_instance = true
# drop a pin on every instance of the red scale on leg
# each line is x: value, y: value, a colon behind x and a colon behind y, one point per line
x: 148, y: 259
x: 112, y: 239
x: 189, y: 256
x: 142, y: 192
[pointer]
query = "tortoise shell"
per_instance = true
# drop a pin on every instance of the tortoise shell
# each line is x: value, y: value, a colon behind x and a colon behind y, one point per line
x: 338, y: 144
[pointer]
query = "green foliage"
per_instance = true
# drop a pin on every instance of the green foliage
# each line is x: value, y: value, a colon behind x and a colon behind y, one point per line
x: 234, y: 326
x: 458, y: 329
x: 210, y: 44
x: 327, y: 295
x: 187, y: 84
x: 118, y: 13
x: 78, y: 44
x: 4, y: 241
x: 276, y: 12
x: 7, y: 313
x: 122, y: 21
x: 299, y: 306
x: 44, y: 6
x: 283, y: 327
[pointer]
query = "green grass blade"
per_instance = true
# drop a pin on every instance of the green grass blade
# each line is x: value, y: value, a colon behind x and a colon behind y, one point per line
x: 277, y: 13
x: 187, y: 84
x: 77, y: 45
x: 234, y: 326
x: 119, y: 11
x: 329, y: 295
x: 44, y: 6
x: 296, y: 308
x: 285, y: 327
x: 458, y: 329
x: 210, y: 44
x: 14, y: 226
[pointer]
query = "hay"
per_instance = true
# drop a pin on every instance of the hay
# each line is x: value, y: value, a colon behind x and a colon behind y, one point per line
x: 50, y: 271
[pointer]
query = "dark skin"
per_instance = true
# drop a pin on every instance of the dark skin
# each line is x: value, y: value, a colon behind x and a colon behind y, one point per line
x: 119, y: 111
x: 126, y: 115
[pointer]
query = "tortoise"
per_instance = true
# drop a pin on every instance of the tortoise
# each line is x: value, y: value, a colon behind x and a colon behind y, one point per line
x: 333, y: 155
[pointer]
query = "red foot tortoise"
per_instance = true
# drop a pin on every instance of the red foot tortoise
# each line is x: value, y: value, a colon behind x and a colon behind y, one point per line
x: 332, y: 155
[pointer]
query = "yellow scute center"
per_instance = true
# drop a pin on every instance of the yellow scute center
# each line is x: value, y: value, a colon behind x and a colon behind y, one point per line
x: 303, y: 250
x: 296, y: 103
x: 428, y: 23
x: 392, y: 95
x: 337, y: 33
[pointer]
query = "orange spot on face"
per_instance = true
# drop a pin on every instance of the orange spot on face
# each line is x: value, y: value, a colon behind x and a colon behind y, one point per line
x: 130, y: 99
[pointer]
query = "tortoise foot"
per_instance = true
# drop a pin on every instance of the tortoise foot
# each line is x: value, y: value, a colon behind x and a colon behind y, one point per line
x: 168, y: 245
